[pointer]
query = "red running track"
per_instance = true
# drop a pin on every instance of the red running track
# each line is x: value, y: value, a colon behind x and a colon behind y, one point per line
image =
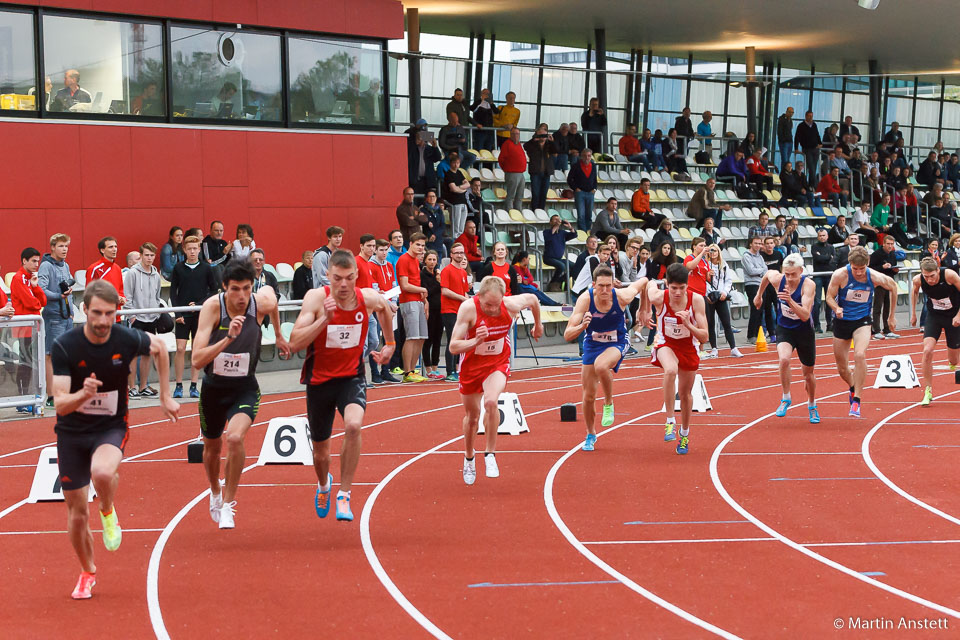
x: 788, y: 532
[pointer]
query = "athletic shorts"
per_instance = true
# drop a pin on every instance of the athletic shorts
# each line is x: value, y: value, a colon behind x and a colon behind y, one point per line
x: 146, y: 327
x: 414, y: 320
x: 803, y: 340
x: 592, y: 351
x: 188, y: 329
x: 327, y: 398
x: 936, y: 323
x: 687, y: 359
x: 75, y: 453
x: 218, y: 404
x: 844, y: 329
x: 53, y: 328
x: 471, y: 380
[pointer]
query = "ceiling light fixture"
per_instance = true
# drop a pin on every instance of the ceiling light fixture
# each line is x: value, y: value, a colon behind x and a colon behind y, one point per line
x: 869, y: 4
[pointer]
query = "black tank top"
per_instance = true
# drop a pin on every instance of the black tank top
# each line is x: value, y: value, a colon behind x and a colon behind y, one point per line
x: 942, y: 299
x: 238, y: 361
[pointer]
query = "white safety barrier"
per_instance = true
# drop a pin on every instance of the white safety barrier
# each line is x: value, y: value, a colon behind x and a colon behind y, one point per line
x: 23, y: 381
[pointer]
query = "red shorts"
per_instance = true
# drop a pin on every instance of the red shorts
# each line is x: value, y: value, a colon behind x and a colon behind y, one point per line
x: 471, y: 380
x: 687, y: 359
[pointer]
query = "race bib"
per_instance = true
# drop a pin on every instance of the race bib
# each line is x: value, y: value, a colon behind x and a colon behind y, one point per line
x: 942, y: 304
x: 102, y: 404
x: 857, y: 295
x: 492, y: 348
x: 675, y: 330
x: 232, y: 365
x: 787, y: 311
x: 604, y: 336
x: 343, y: 336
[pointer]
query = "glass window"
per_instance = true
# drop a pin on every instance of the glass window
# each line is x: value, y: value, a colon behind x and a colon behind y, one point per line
x: 18, y: 79
x: 225, y: 75
x: 340, y: 82
x: 706, y: 96
x: 104, y: 66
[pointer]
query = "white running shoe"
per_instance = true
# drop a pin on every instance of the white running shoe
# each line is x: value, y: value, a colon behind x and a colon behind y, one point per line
x: 216, y: 503
x: 469, y: 471
x: 226, y: 514
x: 736, y: 353
x: 892, y: 336
x: 709, y: 353
x: 490, y: 466
x: 878, y: 336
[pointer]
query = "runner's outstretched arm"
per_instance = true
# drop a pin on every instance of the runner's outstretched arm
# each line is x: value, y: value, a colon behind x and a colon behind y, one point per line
x: 158, y: 351
x: 384, y: 310
x: 312, y: 318
x: 466, y: 317
x: 516, y: 304
x: 579, y: 319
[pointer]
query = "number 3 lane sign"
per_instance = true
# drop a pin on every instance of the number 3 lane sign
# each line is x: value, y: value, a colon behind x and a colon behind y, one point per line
x: 896, y: 371
x: 287, y: 442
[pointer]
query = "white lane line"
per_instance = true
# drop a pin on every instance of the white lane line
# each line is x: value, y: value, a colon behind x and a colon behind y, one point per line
x: 806, y: 544
x: 793, y: 453
x: 721, y: 489
x: 865, y: 451
x: 677, y: 541
x: 38, y: 533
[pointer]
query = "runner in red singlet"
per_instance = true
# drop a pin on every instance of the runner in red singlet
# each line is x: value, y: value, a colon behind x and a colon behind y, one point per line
x: 681, y: 327
x: 334, y: 323
x: 481, y: 335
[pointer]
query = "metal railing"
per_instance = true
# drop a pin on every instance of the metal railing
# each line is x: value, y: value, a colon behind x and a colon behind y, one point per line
x: 23, y: 381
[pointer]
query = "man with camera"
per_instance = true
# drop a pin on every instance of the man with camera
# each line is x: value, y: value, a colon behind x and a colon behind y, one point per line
x: 142, y: 284
x: 57, y: 283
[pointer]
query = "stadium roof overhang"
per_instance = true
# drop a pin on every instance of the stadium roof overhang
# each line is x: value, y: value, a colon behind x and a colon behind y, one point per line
x: 837, y: 36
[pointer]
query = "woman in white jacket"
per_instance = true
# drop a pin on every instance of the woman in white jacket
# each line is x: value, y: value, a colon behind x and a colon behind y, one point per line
x: 719, y: 287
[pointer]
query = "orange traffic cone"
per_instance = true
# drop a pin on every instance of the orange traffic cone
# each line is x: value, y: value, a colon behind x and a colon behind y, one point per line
x: 761, y: 342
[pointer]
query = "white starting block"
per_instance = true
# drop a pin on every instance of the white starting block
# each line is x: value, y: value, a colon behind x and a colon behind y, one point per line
x: 701, y: 399
x: 287, y: 441
x: 512, y: 420
x: 46, y: 479
x: 896, y: 372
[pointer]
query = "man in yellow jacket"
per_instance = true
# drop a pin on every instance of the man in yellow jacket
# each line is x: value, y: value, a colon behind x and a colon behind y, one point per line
x: 507, y: 119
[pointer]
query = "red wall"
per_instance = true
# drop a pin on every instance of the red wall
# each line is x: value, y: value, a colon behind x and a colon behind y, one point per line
x: 134, y: 182
x: 372, y: 18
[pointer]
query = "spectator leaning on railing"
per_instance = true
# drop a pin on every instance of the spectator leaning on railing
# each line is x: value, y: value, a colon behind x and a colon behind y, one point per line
x: 57, y: 284
x: 684, y: 127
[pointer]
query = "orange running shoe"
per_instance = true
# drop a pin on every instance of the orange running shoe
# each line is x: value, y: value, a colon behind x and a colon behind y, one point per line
x: 84, y: 586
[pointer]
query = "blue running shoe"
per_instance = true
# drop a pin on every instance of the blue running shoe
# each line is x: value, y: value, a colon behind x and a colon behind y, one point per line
x: 814, y: 415
x: 682, y: 446
x: 669, y: 432
x: 343, y: 509
x: 855, y: 409
x: 194, y: 392
x: 589, y: 442
x: 178, y: 390
x: 782, y: 409
x: 322, y: 500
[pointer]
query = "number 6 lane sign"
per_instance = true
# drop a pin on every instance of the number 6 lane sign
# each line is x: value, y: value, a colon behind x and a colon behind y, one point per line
x: 287, y: 442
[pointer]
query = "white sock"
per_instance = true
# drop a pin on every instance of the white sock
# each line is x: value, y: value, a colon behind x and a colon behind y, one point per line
x: 325, y: 487
x: 672, y: 420
x: 684, y: 432
x: 489, y: 453
x: 812, y: 404
x: 343, y: 494
x: 787, y: 397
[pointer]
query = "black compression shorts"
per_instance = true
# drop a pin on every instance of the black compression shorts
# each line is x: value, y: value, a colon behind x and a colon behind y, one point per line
x: 843, y: 329
x: 935, y: 324
x: 803, y: 340
x: 75, y: 453
x: 325, y: 399
x: 218, y: 404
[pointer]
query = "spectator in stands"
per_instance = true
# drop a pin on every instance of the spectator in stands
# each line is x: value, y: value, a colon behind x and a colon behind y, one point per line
x: 455, y: 188
x: 829, y: 188
x: 594, y: 124
x: 513, y: 161
x: 540, y: 151
x: 470, y: 244
x: 243, y: 244
x: 717, y: 299
x: 171, y: 253
x: 631, y: 148
x: 836, y: 161
x: 685, y: 131
x: 521, y: 264
x: 475, y: 203
x: 754, y: 267
x: 507, y: 119
x: 935, y: 193
x: 607, y: 223
x: 673, y: 154
x: 215, y: 250
x: 106, y: 268
x: 838, y: 232
x: 133, y: 257
x: 413, y: 301
x: 843, y: 253
x: 583, y: 180
x: 939, y: 216
x: 757, y: 170
x: 807, y: 138
x: 929, y: 172
x: 561, y: 142
x: 788, y: 239
x: 704, y: 205
x: 459, y: 107
x: 421, y: 161
x: 911, y: 208
x: 430, y: 280
x: 850, y: 129
x: 705, y: 132
x: 383, y: 280
x: 855, y: 161
x: 555, y: 252
x: 575, y: 141
x: 785, y: 137
x: 397, y: 247
x: 792, y: 188
x: 952, y: 175
x: 824, y: 261
x: 435, y: 229
x: 860, y: 223
x: 951, y: 258
x: 882, y: 222
x: 894, y: 135
x: 895, y: 179
x: 589, y: 249
x: 733, y: 168
x: 640, y: 206
x: 409, y: 217
x: 710, y: 233
x: 653, y: 146
x: 54, y: 278
x: 830, y: 138
x: 585, y: 276
x: 500, y: 267
x: 453, y: 139
x: 454, y: 290
x: 71, y: 94
x: 321, y: 257
x: 774, y: 262
x: 142, y: 284
x: 748, y: 145
x: 697, y: 264
x: 484, y: 110
x: 662, y: 235
x: 303, y: 276
x: 191, y: 283
x: 28, y: 299
x: 762, y: 229
x: 883, y: 260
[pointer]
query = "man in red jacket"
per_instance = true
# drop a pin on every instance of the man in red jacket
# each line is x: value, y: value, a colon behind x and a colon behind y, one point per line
x: 471, y: 245
x: 830, y: 189
x: 106, y: 268
x: 513, y: 161
x: 28, y: 300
